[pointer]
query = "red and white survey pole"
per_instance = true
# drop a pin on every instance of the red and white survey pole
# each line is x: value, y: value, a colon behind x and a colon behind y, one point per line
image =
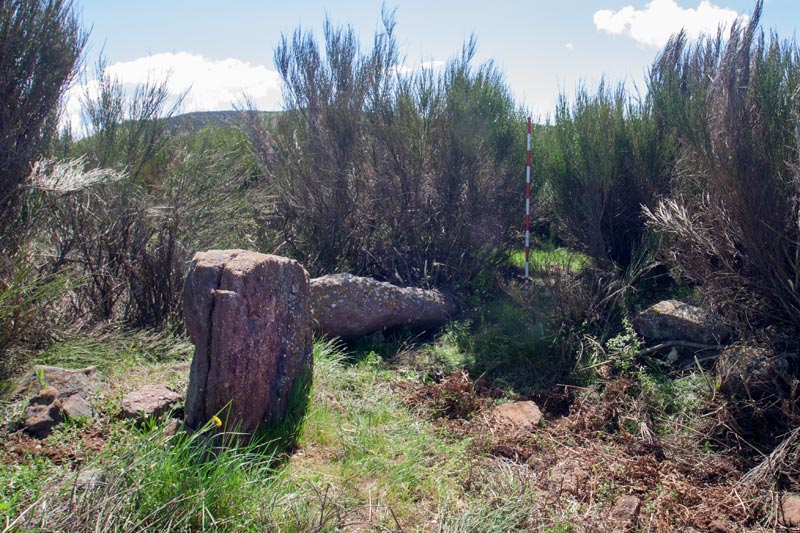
x: 528, y: 203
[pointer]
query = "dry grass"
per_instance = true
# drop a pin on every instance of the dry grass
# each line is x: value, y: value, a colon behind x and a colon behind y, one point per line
x: 577, y: 466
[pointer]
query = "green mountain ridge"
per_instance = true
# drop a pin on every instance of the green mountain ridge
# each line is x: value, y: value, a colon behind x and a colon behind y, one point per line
x: 197, y: 120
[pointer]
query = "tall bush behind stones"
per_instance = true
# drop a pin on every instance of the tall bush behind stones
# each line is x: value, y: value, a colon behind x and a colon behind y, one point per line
x: 407, y: 177
x: 41, y: 41
x: 733, y: 216
x: 604, y: 157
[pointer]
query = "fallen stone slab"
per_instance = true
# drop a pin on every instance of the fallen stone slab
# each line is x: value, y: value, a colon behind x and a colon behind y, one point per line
x: 672, y: 320
x: 149, y: 401
x: 249, y: 317
x: 351, y: 306
x: 522, y: 415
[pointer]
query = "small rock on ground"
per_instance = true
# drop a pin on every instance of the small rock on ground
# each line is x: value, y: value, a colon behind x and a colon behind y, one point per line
x: 524, y: 415
x: 41, y: 418
x: 790, y: 511
x: 62, y: 394
x: 75, y: 407
x: 150, y: 401
x: 49, y: 408
x: 625, y: 513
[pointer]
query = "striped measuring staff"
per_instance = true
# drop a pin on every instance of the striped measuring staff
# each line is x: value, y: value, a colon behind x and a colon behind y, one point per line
x: 528, y: 203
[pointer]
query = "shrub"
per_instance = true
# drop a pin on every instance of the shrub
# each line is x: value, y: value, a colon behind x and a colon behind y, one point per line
x: 124, y: 216
x: 733, y: 219
x: 602, y: 160
x: 405, y: 177
x: 113, y: 236
x: 212, y: 178
x: 42, y: 41
x: 27, y: 295
x: 126, y: 132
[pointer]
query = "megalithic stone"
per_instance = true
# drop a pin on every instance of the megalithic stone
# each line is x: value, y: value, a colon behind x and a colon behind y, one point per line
x: 349, y: 306
x: 249, y: 317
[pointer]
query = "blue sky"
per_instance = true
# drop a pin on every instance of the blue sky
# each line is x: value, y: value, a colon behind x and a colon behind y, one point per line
x: 223, y: 49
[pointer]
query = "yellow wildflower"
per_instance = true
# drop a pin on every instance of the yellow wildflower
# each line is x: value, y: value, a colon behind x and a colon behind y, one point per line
x: 216, y: 420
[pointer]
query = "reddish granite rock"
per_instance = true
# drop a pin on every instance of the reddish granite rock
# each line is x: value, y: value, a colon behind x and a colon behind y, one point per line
x: 149, y: 401
x: 350, y: 306
x: 523, y: 415
x: 43, y: 413
x: 249, y: 317
x: 74, y: 407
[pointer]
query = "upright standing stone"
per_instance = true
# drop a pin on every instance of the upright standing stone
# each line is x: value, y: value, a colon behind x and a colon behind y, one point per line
x: 249, y: 317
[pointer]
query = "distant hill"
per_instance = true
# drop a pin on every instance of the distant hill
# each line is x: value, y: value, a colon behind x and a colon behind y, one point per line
x: 197, y: 120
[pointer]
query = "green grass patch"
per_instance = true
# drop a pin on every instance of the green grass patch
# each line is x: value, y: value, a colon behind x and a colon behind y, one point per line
x: 504, y: 343
x: 117, y: 351
x: 362, y: 457
x: 543, y: 259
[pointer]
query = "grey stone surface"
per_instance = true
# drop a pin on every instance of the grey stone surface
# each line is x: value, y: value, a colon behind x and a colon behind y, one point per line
x: 673, y: 320
x: 67, y: 382
x: 249, y: 317
x: 350, y: 306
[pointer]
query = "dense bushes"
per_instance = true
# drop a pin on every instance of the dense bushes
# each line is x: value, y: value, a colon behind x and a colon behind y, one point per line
x: 40, y: 44
x: 114, y: 237
x: 127, y: 131
x: 733, y: 216
x: 604, y: 158
x: 411, y: 178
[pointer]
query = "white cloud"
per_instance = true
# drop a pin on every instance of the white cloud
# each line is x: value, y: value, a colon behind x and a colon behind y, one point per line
x: 213, y: 85
x: 653, y: 25
x: 569, y: 46
x: 424, y: 65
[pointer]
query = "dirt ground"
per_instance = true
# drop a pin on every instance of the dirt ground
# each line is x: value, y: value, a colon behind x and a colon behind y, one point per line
x: 600, y: 477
